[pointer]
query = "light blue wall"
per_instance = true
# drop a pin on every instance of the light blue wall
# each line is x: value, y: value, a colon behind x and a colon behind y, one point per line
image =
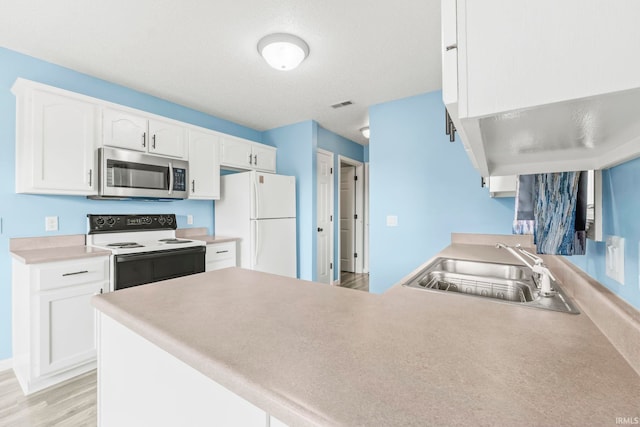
x: 23, y: 215
x: 428, y: 182
x: 366, y: 153
x: 620, y: 214
x: 340, y: 146
x: 296, y: 155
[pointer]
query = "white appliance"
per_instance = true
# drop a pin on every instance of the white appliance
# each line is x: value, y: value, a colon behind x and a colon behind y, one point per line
x: 260, y: 209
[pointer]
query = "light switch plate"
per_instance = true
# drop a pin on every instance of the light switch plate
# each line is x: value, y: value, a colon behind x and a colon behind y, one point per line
x: 392, y: 220
x: 51, y: 223
x: 189, y: 219
x: 614, y: 258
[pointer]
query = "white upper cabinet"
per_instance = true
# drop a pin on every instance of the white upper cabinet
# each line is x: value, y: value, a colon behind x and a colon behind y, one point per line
x: 264, y: 158
x: 124, y: 130
x: 167, y: 139
x: 204, y: 165
x: 136, y: 132
x: 56, y: 137
x: 545, y: 88
x: 238, y: 153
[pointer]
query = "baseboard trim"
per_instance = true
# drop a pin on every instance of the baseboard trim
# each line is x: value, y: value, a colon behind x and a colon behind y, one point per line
x: 6, y: 364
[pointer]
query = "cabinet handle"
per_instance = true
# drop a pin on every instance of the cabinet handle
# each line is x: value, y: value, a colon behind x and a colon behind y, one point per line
x: 144, y: 139
x: 255, y: 159
x: 153, y: 142
x: 250, y: 159
x: 75, y: 272
x: 320, y: 230
x: 90, y: 177
x: 451, y: 47
x: 222, y: 252
x: 193, y: 185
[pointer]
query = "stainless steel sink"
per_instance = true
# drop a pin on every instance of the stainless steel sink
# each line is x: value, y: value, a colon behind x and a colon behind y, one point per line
x: 506, y: 283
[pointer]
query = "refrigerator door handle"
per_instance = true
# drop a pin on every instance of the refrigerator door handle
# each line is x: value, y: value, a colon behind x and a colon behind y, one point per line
x: 256, y: 242
x: 256, y: 200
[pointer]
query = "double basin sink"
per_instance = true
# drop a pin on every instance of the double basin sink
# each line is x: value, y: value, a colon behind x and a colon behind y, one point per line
x: 505, y: 283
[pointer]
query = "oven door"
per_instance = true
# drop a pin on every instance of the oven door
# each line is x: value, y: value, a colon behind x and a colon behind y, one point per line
x: 148, y: 267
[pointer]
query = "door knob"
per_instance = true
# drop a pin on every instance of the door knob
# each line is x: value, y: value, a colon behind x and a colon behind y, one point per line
x: 319, y: 229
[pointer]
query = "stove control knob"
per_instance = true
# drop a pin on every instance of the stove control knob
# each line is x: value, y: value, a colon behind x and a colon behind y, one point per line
x: 99, y: 221
x: 161, y: 220
x: 111, y: 221
x: 169, y: 220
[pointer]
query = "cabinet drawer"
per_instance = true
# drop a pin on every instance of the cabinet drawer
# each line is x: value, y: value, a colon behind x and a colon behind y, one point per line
x: 221, y: 251
x: 69, y: 273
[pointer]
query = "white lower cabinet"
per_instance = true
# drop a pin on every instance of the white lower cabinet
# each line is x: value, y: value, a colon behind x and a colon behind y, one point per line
x: 221, y: 255
x: 53, y: 320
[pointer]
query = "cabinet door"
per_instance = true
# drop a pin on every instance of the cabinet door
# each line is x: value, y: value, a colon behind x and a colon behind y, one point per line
x: 67, y: 327
x: 449, y: 52
x: 125, y: 130
x: 63, y: 138
x: 264, y: 158
x: 204, y: 166
x: 167, y: 139
x: 235, y: 152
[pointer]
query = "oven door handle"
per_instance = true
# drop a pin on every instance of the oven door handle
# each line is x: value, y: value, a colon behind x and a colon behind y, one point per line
x: 157, y: 254
x: 170, y: 178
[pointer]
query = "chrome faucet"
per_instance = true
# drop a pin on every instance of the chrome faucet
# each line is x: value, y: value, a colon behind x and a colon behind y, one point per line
x: 538, y: 267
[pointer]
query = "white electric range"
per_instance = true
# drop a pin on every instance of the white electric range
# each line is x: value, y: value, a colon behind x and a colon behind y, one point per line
x: 144, y: 248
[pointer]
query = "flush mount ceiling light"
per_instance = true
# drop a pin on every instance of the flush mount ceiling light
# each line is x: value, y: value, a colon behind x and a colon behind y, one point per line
x: 283, y: 51
x: 365, y: 131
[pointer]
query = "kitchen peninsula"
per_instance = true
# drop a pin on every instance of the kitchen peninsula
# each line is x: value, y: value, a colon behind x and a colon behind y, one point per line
x: 238, y: 346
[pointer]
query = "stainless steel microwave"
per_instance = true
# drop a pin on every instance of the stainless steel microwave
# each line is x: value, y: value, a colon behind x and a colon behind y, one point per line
x: 125, y: 173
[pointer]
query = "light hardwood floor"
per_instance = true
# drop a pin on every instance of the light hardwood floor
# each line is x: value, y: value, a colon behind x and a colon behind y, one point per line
x: 354, y: 281
x: 69, y: 404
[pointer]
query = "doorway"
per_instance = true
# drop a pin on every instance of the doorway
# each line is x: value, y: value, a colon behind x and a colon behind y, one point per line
x: 351, y: 216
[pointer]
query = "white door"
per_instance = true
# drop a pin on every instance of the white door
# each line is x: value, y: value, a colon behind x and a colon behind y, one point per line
x: 126, y: 130
x: 325, y: 217
x: 64, y: 136
x: 67, y: 327
x: 204, y: 166
x: 347, y: 218
x: 235, y: 152
x: 274, y: 196
x: 273, y: 246
x: 264, y: 158
x: 167, y: 139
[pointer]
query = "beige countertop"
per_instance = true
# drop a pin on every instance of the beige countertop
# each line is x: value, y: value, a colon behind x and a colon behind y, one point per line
x: 312, y: 354
x: 201, y: 233
x: 37, y: 250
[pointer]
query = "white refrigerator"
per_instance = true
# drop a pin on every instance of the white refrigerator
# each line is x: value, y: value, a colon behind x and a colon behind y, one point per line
x: 260, y: 209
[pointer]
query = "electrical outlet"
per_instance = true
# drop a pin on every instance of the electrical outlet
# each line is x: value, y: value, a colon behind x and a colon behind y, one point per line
x: 51, y: 223
x: 614, y: 258
x: 190, y: 219
x: 392, y: 220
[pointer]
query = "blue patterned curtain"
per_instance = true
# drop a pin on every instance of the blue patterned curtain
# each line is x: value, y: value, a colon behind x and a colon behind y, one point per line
x: 546, y: 208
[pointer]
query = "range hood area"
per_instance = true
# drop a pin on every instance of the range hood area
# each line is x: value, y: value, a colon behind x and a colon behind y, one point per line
x: 547, y: 89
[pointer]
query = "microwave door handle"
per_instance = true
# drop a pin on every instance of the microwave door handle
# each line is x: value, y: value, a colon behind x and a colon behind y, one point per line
x: 170, y: 178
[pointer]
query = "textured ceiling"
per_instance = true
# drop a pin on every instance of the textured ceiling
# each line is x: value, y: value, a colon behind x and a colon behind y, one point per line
x: 203, y: 55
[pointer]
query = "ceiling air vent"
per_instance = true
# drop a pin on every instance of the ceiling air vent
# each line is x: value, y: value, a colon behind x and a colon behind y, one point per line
x: 342, y: 104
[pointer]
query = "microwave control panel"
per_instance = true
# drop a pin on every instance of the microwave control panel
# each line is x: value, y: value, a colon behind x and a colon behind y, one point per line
x: 179, y: 179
